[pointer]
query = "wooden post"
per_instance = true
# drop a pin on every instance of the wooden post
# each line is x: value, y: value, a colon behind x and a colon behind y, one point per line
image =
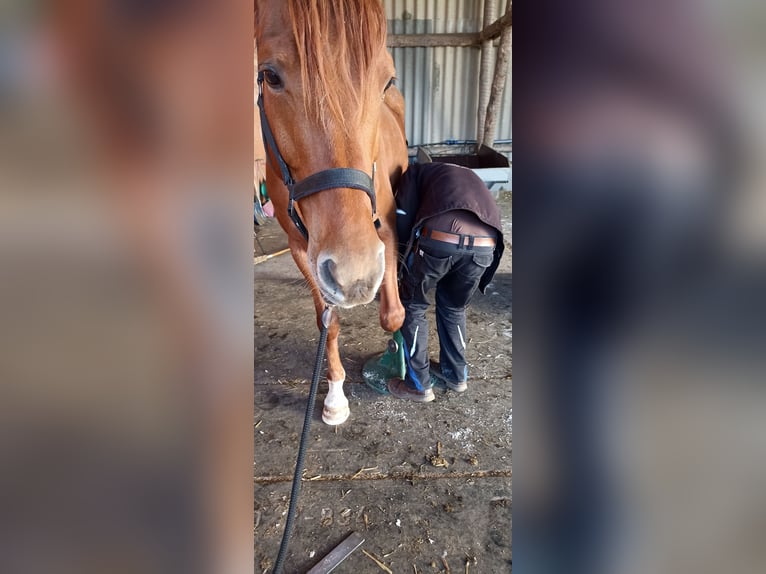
x: 496, y: 28
x: 485, y: 83
x: 498, y: 83
x: 432, y: 40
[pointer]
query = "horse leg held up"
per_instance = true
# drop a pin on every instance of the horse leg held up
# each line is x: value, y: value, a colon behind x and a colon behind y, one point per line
x: 391, y: 308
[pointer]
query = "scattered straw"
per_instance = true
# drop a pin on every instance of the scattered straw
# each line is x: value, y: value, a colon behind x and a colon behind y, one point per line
x: 390, y: 553
x: 437, y: 459
x: 361, y: 470
x: 378, y: 562
x: 262, y: 258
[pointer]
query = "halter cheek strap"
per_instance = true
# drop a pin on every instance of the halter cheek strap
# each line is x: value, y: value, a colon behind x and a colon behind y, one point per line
x: 338, y: 177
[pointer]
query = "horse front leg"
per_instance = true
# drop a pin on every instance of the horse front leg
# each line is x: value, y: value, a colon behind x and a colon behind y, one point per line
x: 391, y: 308
x: 336, y: 409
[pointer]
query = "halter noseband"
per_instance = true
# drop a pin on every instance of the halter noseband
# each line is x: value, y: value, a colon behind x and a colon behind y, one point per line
x: 338, y: 177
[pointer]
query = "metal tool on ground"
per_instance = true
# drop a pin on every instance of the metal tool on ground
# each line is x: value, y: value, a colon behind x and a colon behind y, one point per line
x: 338, y: 554
x: 389, y: 365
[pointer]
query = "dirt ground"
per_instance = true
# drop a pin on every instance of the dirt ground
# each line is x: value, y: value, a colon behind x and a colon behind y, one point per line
x: 427, y: 485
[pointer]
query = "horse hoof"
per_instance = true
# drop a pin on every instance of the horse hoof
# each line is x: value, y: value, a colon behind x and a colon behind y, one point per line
x: 335, y: 416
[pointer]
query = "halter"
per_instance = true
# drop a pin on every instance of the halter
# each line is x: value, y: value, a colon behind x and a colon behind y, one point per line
x: 338, y: 177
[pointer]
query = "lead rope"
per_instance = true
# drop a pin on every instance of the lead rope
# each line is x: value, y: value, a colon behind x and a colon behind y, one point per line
x: 326, y: 318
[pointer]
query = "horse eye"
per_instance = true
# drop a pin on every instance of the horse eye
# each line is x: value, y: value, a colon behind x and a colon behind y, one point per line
x: 272, y: 78
x: 390, y: 83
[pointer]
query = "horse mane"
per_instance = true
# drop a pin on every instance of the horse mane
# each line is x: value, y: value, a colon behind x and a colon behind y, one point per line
x: 338, y: 44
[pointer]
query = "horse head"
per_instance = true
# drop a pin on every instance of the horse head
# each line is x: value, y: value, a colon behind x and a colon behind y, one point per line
x: 323, y: 76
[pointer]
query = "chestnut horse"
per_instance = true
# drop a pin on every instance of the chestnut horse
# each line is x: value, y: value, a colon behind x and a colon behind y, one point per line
x: 333, y: 122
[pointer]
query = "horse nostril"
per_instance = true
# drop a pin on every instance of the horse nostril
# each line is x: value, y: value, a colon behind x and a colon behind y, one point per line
x: 347, y: 280
x: 327, y: 270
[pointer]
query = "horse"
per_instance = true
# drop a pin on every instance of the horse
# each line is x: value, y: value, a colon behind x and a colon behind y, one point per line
x: 333, y: 122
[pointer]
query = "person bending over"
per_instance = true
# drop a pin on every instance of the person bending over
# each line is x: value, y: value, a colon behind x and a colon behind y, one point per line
x: 451, y: 242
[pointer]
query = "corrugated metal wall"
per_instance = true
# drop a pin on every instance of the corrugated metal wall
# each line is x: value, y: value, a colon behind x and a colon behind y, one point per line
x: 441, y: 85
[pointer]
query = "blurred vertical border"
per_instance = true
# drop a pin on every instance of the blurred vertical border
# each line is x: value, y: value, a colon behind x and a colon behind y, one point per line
x: 639, y: 281
x: 126, y: 298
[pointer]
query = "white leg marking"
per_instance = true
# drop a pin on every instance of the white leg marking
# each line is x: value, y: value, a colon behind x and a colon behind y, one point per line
x: 336, y: 409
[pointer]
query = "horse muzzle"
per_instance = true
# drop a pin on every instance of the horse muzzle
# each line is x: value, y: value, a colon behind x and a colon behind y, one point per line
x: 348, y: 281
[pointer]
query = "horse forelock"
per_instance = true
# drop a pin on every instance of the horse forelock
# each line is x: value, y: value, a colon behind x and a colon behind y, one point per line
x: 339, y: 43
